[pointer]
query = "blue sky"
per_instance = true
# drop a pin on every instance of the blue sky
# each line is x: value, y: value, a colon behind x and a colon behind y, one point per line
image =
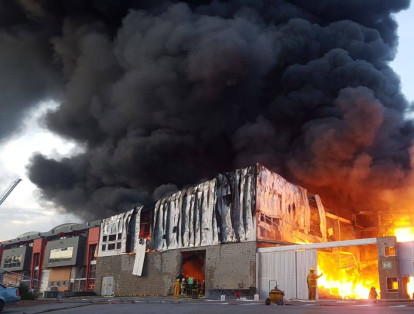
x: 23, y: 211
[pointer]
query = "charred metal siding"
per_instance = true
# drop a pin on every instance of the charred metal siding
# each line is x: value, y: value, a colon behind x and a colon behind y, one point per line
x: 283, y: 210
x: 221, y: 210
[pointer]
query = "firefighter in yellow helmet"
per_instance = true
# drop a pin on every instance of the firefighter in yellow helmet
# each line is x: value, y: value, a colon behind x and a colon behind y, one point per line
x: 177, y: 288
x: 312, y: 280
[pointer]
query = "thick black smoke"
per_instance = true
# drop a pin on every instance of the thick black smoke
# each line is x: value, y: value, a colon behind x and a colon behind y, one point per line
x: 164, y: 94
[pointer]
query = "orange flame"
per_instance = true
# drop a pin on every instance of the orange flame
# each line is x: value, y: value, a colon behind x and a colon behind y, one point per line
x: 404, y: 234
x: 410, y: 287
x: 193, y: 269
x: 343, y: 278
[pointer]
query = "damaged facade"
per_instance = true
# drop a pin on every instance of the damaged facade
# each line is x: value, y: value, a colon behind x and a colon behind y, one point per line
x: 201, y: 232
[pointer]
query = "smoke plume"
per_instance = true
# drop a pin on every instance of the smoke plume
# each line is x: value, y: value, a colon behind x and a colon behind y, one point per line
x: 165, y: 94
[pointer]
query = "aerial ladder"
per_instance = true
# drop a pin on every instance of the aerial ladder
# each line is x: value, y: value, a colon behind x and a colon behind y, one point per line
x: 9, y: 189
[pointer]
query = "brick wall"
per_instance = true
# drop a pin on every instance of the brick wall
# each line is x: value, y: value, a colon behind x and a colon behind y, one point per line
x: 228, y: 266
x: 231, y: 266
x: 158, y: 275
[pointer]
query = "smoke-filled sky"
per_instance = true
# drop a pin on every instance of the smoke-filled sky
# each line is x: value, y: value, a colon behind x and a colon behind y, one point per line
x: 158, y: 95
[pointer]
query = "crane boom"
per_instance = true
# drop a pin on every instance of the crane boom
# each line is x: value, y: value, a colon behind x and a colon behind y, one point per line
x: 9, y: 189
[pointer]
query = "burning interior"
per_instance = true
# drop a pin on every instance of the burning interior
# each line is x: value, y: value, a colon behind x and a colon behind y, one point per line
x: 348, y: 273
x: 193, y: 264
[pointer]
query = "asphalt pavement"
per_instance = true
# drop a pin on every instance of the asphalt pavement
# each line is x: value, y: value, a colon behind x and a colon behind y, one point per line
x: 161, y: 305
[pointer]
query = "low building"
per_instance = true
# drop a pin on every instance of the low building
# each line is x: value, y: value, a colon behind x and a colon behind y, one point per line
x: 60, y: 260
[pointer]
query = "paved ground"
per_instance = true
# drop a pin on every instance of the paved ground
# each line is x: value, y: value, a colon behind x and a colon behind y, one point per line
x: 187, y: 306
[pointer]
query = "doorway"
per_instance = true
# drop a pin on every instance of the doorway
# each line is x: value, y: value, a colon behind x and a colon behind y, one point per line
x: 193, y: 264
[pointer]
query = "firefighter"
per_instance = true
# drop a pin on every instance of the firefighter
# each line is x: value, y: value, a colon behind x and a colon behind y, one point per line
x: 177, y: 288
x: 202, y: 289
x: 373, y: 295
x: 183, y: 285
x: 195, y: 289
x: 312, y: 280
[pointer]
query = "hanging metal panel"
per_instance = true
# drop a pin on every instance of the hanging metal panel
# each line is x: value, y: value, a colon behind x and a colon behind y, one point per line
x: 216, y: 211
x: 115, y: 230
x: 139, y: 257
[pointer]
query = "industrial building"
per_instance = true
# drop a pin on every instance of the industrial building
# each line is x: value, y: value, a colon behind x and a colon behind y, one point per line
x: 61, y: 259
x: 240, y: 232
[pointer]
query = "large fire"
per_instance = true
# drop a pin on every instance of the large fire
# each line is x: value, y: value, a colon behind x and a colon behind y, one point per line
x: 410, y: 287
x: 344, y: 278
x: 404, y: 234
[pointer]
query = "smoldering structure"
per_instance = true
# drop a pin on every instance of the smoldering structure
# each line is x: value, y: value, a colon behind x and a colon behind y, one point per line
x: 201, y: 230
x: 216, y: 211
x: 226, y: 209
x: 171, y: 92
x: 235, y: 234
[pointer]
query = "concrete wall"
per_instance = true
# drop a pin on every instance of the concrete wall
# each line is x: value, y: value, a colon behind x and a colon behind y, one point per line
x: 230, y: 266
x: 388, y: 267
x: 160, y: 270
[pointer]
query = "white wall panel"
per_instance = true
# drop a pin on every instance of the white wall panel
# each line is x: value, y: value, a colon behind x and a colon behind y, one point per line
x: 288, y: 268
x: 304, y: 261
x: 406, y: 258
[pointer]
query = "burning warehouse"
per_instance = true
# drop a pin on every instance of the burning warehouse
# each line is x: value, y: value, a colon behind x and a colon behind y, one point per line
x: 255, y: 218
x: 203, y: 230
x: 273, y: 230
x: 161, y: 94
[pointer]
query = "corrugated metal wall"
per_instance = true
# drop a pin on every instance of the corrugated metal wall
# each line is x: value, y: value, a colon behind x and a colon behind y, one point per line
x: 288, y: 268
x: 221, y: 210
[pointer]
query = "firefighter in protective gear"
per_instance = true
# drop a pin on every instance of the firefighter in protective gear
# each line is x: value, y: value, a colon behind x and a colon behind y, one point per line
x: 202, y: 289
x: 183, y: 284
x: 195, y: 289
x: 373, y: 295
x: 177, y: 288
x: 312, y: 280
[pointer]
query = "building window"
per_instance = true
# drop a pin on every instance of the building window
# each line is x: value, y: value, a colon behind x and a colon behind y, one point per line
x: 13, y: 261
x: 79, y: 284
x: 80, y: 279
x: 61, y: 255
x: 93, y: 252
x: 390, y: 251
x: 392, y: 284
x: 114, y: 242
